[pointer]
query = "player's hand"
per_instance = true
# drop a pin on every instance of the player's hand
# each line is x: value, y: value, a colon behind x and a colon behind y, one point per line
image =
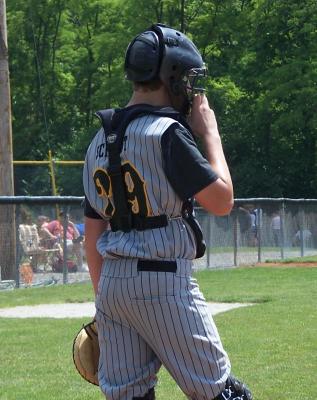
x: 202, y: 119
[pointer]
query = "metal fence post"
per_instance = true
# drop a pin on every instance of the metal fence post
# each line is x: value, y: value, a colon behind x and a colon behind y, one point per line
x: 282, y: 228
x: 259, y: 228
x: 18, y: 244
x: 301, y: 239
x: 235, y: 238
x: 65, y: 267
x: 301, y: 232
x: 208, y: 240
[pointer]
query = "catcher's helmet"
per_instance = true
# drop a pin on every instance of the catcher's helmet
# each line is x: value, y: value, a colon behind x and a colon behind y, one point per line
x: 164, y: 53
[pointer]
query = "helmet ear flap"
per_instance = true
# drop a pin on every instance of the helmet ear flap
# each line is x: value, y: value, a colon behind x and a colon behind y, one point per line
x: 142, y: 59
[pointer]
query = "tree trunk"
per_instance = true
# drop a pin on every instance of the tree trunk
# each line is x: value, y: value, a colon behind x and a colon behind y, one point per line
x: 7, y: 221
x: 182, y: 16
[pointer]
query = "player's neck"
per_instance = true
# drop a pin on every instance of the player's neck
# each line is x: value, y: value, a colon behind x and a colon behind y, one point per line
x: 153, y: 98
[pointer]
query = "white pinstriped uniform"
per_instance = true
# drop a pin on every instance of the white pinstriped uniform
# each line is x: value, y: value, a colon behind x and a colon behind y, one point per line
x: 149, y: 318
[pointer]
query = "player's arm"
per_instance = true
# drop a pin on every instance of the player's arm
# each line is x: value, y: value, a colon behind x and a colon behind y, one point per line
x: 217, y: 197
x: 94, y: 227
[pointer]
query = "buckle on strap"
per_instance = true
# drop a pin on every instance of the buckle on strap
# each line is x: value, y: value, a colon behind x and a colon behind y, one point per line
x: 122, y: 223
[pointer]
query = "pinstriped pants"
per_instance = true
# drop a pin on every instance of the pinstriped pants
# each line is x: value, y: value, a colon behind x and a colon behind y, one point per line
x: 146, y: 319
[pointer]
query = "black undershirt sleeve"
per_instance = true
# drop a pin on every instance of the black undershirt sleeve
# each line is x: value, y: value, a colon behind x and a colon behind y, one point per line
x: 186, y: 169
x: 89, y: 211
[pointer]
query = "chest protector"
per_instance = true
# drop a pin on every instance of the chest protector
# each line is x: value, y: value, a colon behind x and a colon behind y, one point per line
x: 123, y: 219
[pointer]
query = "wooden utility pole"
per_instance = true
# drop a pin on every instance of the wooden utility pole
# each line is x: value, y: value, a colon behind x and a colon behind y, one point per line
x: 7, y: 221
x: 182, y: 16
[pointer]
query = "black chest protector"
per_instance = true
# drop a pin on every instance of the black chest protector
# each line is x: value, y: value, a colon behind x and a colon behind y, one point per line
x: 123, y: 219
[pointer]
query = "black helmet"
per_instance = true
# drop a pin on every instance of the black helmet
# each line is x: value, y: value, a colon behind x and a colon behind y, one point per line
x: 164, y: 53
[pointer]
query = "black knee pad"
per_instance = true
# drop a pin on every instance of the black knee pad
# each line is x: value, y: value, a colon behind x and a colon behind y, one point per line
x: 150, y: 395
x: 235, y: 390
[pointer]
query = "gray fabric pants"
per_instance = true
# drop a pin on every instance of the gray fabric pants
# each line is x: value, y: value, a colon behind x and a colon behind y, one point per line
x: 149, y: 318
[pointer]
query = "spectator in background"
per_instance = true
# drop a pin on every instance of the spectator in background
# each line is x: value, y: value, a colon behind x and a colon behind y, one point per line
x: 56, y: 229
x: 81, y: 229
x: 245, y: 220
x: 305, y: 235
x: 256, y: 221
x: 244, y: 224
x: 48, y: 240
x: 73, y: 239
x: 254, y: 213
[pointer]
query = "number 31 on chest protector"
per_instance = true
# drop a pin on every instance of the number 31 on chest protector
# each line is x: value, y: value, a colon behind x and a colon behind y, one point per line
x: 135, y: 190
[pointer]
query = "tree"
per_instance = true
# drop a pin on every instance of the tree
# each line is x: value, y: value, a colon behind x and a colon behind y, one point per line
x: 281, y: 76
x: 67, y: 61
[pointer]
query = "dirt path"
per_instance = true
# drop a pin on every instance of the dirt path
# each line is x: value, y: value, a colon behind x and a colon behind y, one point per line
x: 288, y: 265
x: 79, y: 310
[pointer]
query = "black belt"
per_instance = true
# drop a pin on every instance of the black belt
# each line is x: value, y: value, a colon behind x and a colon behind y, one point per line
x: 157, y: 266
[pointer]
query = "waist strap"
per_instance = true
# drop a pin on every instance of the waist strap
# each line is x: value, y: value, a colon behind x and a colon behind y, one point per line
x: 138, y: 223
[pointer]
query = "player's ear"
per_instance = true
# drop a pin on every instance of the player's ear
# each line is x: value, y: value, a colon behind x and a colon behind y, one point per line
x: 176, y: 87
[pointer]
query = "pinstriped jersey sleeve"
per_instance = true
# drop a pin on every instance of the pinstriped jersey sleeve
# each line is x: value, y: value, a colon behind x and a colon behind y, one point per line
x: 185, y: 167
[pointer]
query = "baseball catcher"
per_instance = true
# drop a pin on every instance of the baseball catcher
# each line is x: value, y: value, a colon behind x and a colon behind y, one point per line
x: 142, y: 172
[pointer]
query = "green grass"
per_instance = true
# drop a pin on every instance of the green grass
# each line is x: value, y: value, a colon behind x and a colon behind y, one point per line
x: 272, y: 344
x: 74, y: 293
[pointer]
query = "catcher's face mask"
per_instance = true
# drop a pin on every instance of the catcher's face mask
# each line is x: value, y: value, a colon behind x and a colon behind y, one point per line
x: 194, y: 81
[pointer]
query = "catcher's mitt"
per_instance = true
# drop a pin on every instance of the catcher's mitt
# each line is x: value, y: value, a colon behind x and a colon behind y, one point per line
x: 86, y: 352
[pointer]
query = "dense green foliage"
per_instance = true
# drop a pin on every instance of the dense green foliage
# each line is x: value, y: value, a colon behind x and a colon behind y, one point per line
x: 66, y: 61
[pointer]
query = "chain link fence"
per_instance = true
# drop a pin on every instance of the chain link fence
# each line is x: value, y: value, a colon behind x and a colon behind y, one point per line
x: 41, y: 241
x: 256, y: 230
x: 259, y: 230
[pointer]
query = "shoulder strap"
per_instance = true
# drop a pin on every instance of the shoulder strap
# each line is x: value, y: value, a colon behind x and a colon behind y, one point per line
x: 105, y: 117
x: 114, y: 139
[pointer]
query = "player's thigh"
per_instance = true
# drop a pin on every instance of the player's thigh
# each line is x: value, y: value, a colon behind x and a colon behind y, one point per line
x: 126, y: 360
x: 185, y: 338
